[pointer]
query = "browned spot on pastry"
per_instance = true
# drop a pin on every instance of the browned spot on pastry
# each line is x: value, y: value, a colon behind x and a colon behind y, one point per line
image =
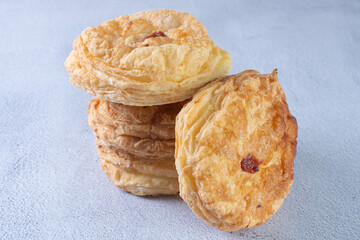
x: 156, y: 34
x: 250, y: 164
x: 146, y: 45
x: 292, y: 176
x: 128, y: 26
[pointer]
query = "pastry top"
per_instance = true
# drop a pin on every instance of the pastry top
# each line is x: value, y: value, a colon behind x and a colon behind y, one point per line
x: 148, y: 58
x: 155, y: 122
x: 235, y: 145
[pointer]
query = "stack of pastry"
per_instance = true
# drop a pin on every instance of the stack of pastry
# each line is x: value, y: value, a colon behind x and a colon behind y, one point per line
x: 142, y: 68
x: 234, y: 141
x: 136, y: 145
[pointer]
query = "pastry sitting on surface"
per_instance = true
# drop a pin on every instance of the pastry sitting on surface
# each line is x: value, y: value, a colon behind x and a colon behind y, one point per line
x: 149, y: 58
x: 235, y: 145
x: 136, y: 145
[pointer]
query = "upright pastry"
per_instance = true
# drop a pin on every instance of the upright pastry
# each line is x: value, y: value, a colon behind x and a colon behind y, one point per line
x: 235, y: 145
x: 144, y: 59
x: 136, y: 145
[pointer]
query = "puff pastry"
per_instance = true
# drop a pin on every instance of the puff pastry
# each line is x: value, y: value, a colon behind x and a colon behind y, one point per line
x: 137, y: 183
x: 235, y: 145
x: 141, y: 147
x: 138, y: 176
x: 132, y: 152
x: 144, y: 59
x: 155, y: 122
x: 160, y: 167
x: 113, y: 124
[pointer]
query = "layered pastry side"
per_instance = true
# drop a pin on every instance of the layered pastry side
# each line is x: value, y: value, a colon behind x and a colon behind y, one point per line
x: 136, y: 145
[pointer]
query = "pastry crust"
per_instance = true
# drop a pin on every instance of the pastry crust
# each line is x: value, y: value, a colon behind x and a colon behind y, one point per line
x: 144, y: 59
x: 235, y: 145
x: 156, y: 122
x: 157, y: 167
x: 138, y: 176
x: 138, y: 183
x: 113, y: 124
x: 145, y: 148
x: 143, y: 164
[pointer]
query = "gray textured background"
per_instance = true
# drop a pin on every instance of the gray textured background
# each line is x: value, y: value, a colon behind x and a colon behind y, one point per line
x: 51, y: 183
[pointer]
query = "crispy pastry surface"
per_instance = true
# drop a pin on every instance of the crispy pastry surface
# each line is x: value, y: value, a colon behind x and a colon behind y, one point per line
x: 235, y: 145
x: 139, y: 176
x: 143, y: 164
x: 155, y: 122
x: 148, y: 58
x: 145, y: 148
x: 138, y: 183
x: 164, y: 167
x: 147, y: 132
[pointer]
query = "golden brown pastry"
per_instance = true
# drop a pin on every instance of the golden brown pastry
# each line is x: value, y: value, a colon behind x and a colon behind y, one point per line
x: 138, y: 176
x: 235, y: 145
x: 137, y: 183
x: 141, y: 147
x: 113, y: 124
x: 136, y: 145
x: 155, y: 122
x: 159, y: 167
x: 144, y: 59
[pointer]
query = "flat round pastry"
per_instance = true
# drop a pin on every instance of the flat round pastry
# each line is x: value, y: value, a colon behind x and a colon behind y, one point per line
x: 138, y: 183
x: 142, y: 147
x: 235, y: 145
x: 159, y: 167
x: 138, y: 176
x: 144, y: 59
x: 155, y: 122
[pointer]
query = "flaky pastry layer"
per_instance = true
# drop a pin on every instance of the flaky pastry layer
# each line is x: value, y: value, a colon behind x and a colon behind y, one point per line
x: 235, y: 145
x: 156, y: 167
x: 155, y: 122
x: 130, y: 145
x: 146, y: 148
x: 148, y: 58
x: 138, y: 183
x: 113, y: 123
